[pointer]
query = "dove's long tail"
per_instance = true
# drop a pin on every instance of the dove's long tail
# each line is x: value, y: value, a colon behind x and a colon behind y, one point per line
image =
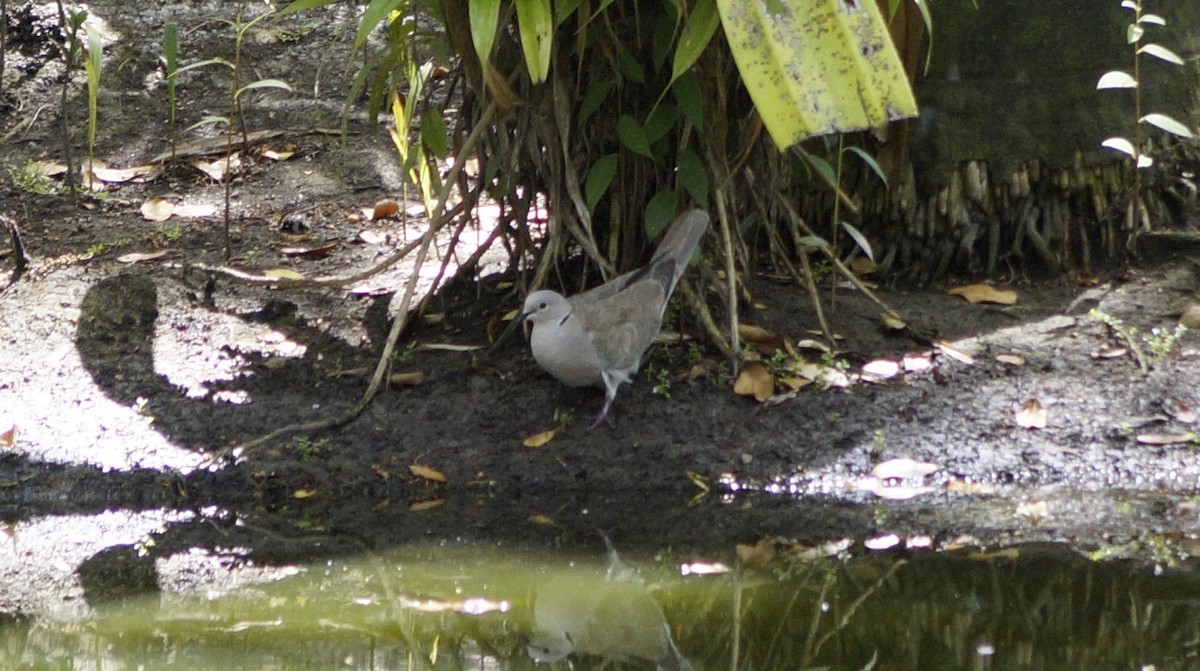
x: 678, y: 243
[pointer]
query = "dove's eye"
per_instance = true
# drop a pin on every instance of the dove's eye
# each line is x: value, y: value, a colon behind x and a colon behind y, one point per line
x: 541, y: 306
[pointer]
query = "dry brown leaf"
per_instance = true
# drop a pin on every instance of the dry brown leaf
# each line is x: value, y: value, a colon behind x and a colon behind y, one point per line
x: 282, y: 274
x: 1166, y: 438
x: 410, y: 379
x: 817, y: 345
x: 8, y: 437
x: 1012, y: 359
x: 862, y: 266
x: 276, y: 155
x: 511, y: 315
x: 756, y: 555
x: 216, y: 170
x: 541, y: 520
x: 917, y: 363
x: 135, y: 257
x: 426, y: 473
x: 310, y: 252
x: 763, y: 341
x: 892, y: 323
x: 195, y: 211
x: 884, y: 369
x: 381, y: 471
x: 539, y: 439
x: 384, y: 209
x: 902, y: 468
x: 985, y: 293
x: 1032, y: 415
x: 141, y: 173
x: 1179, y: 411
x: 1109, y: 352
x: 157, y: 209
x: 1034, y: 511
x: 752, y: 333
x: 304, y: 493
x: 794, y: 383
x: 425, y: 504
x: 755, y: 380
x: 954, y: 353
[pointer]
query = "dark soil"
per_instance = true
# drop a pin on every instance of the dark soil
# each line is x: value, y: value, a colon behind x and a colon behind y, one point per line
x: 132, y: 385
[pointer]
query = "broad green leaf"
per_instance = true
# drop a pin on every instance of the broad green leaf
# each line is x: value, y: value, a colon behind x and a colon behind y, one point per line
x: 301, y: 5
x: 859, y: 239
x: 200, y: 64
x: 632, y: 136
x: 816, y: 66
x: 664, y: 39
x: 697, y: 33
x: 661, y: 120
x: 1134, y: 33
x: 687, y: 93
x: 822, y: 166
x: 593, y: 99
x: 1168, y: 124
x: 871, y: 163
x: 1120, y: 144
x: 485, y: 20
x: 630, y: 67
x: 659, y: 212
x: 564, y: 9
x: 1116, y: 80
x: 373, y: 15
x: 263, y: 84
x: 598, y: 178
x: 433, y: 133
x: 1129, y: 4
x: 812, y: 241
x: 1153, y: 19
x: 692, y: 175
x: 1162, y: 53
x: 535, y: 22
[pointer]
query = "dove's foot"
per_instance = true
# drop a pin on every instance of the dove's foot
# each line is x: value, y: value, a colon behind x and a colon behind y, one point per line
x: 603, y: 417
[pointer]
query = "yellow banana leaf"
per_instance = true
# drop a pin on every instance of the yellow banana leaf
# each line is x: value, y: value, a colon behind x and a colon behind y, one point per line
x: 816, y: 66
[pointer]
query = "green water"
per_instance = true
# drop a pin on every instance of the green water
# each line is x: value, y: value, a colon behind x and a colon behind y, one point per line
x: 482, y: 608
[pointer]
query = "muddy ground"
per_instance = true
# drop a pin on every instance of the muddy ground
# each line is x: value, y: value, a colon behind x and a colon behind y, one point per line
x: 132, y: 384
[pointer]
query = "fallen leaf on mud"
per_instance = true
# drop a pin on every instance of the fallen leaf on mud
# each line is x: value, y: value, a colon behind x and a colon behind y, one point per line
x: 445, y: 347
x: 310, y: 252
x: 282, y: 274
x: 195, y: 211
x: 493, y: 329
x: 304, y: 493
x: 381, y: 471
x: 276, y: 155
x: 901, y: 493
x: 902, y: 468
x: 384, y: 209
x: 885, y: 542
x: 539, y: 439
x: 985, y: 293
x: 426, y: 473
x: 892, y: 323
x: 1166, y: 438
x: 763, y: 341
x: 964, y: 487
x: 216, y: 170
x: 541, y: 520
x: 372, y: 237
x: 755, y: 380
x: 135, y: 257
x: 1179, y: 411
x: 1109, y: 352
x: 8, y: 437
x: 954, y: 353
x: 817, y: 345
x: 1032, y: 415
x: 704, y: 568
x: 794, y: 383
x: 884, y: 369
x: 425, y: 504
x: 917, y: 363
x: 1011, y: 359
x: 861, y: 265
x: 157, y: 209
x: 1034, y: 511
x: 756, y: 555
x: 141, y: 173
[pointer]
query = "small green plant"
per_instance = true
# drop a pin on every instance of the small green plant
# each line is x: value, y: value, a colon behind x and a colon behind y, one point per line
x: 1135, y: 148
x: 96, y: 249
x: 308, y: 448
x: 562, y: 417
x: 407, y: 355
x: 662, y: 381
x: 1159, y: 342
x: 172, y: 233
x: 92, y: 65
x: 30, y: 178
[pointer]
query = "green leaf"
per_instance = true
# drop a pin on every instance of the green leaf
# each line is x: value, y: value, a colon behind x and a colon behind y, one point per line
x: 200, y: 64
x: 598, y: 178
x: 871, y: 163
x: 375, y: 13
x: 433, y: 133
x: 659, y: 212
x: 661, y: 120
x: 535, y: 22
x: 630, y: 67
x: 664, y: 39
x: 1162, y: 53
x: 485, y: 20
x: 812, y: 241
x: 593, y: 99
x: 822, y: 166
x: 1129, y: 4
x: 1116, y: 80
x: 632, y: 136
x: 687, y: 93
x: 1120, y: 144
x: 301, y: 5
x: 208, y: 121
x: 1134, y: 33
x: 859, y: 239
x: 692, y: 175
x: 1168, y: 124
x: 697, y: 32
x: 1153, y: 19
x: 564, y: 9
x: 263, y: 84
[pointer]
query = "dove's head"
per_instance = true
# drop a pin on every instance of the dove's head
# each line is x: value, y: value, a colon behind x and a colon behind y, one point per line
x: 545, y: 306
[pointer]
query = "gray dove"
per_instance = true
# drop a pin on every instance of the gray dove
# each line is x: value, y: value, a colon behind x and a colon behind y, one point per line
x: 598, y: 337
